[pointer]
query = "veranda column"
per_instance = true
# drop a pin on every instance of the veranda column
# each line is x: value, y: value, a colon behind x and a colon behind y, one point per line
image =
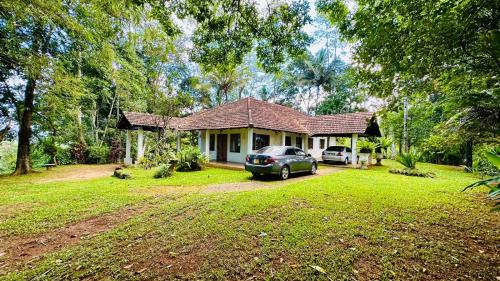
x: 200, y: 145
x: 250, y: 141
x: 305, y: 143
x: 207, y: 143
x: 354, y: 140
x: 128, y: 141
x: 283, y: 138
x: 334, y: 141
x: 140, y: 144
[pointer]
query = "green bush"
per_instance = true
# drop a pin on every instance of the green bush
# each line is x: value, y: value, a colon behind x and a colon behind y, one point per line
x: 385, y: 143
x: 98, y: 154
x: 409, y: 159
x: 365, y: 146
x: 163, y: 171
x: 8, y: 151
x: 413, y: 173
x: 482, y: 164
x: 191, y: 159
x: 119, y: 173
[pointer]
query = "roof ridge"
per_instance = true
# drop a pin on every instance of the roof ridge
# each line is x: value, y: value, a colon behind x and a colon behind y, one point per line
x: 281, y: 106
x: 250, y: 120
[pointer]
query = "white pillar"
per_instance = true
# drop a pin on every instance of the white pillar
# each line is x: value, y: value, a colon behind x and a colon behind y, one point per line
x: 354, y: 154
x: 200, y: 145
x: 140, y: 144
x: 178, y: 141
x: 128, y: 141
x: 305, y: 143
x: 250, y: 141
x: 283, y: 138
x: 334, y: 141
x: 207, y: 143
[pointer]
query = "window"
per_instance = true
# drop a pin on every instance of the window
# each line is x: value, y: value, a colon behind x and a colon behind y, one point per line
x: 300, y: 152
x: 322, y: 144
x: 235, y: 144
x: 271, y: 150
x: 260, y: 141
x: 310, y: 143
x: 348, y: 149
x: 290, y: 151
x: 298, y: 142
x: 212, y: 142
x: 288, y: 140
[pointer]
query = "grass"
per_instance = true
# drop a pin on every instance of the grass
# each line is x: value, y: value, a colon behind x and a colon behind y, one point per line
x: 29, y: 204
x: 354, y: 224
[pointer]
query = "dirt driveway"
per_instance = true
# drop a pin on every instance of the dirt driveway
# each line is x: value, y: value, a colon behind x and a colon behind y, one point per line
x: 267, y: 182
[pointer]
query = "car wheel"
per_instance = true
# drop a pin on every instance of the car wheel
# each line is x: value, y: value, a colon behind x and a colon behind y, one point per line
x: 346, y: 161
x: 255, y: 175
x: 314, y: 168
x: 285, y: 172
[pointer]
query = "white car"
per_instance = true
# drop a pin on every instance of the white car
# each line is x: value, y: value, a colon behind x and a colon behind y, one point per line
x: 337, y: 154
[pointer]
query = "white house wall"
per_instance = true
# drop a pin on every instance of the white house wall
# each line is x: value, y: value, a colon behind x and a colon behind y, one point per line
x: 275, y: 138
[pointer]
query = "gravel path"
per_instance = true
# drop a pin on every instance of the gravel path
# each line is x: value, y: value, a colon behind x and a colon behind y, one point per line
x: 268, y: 182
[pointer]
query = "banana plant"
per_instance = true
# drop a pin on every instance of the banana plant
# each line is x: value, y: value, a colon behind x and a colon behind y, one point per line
x: 491, y: 183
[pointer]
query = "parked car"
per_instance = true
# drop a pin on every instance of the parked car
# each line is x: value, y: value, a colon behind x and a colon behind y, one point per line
x: 280, y: 160
x: 337, y: 154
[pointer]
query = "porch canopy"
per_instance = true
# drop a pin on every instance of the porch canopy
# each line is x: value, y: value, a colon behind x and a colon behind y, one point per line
x: 141, y: 122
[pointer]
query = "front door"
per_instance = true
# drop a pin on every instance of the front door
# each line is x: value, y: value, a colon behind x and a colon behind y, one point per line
x: 222, y: 147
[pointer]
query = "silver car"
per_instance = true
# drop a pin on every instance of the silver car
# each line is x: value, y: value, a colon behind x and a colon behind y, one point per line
x: 337, y: 154
x: 280, y: 160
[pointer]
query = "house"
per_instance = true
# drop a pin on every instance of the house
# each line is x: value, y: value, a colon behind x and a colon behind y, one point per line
x: 231, y: 131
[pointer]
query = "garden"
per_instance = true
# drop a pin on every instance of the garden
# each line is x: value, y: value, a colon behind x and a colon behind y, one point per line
x: 88, y: 194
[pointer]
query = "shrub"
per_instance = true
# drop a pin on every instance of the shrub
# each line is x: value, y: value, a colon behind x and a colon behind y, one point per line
x: 163, y: 171
x: 119, y: 173
x: 116, y: 151
x: 191, y: 159
x: 98, y: 154
x: 384, y: 143
x: 8, y: 151
x: 79, y: 152
x: 409, y: 159
x: 413, y: 173
x: 366, y: 146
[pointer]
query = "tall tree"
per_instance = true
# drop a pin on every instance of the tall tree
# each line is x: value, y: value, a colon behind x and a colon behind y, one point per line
x: 447, y: 47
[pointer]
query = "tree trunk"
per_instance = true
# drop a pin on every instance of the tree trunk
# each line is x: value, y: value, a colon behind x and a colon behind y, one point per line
x: 405, y: 125
x: 468, y: 155
x: 23, y: 165
x: 5, y: 130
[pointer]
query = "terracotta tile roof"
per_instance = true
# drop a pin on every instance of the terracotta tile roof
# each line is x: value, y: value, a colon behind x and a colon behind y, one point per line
x: 250, y: 112
x: 136, y: 119
x: 348, y: 123
x: 245, y: 113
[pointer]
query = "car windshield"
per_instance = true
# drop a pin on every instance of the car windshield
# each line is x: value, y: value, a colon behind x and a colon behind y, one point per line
x: 335, y: 148
x: 272, y: 150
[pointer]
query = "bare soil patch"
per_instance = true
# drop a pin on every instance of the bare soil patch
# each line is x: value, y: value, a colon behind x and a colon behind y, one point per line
x: 78, y: 173
x: 20, y: 250
x: 268, y: 182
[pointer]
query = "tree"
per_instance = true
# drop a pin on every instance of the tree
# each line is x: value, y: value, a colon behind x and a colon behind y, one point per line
x: 224, y: 80
x: 450, y: 48
x: 228, y: 30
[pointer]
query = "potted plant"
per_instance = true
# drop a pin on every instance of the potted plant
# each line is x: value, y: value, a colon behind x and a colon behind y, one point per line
x: 366, y: 148
x: 383, y: 148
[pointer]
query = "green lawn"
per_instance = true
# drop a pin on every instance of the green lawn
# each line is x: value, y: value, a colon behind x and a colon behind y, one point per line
x: 28, y: 205
x: 355, y: 224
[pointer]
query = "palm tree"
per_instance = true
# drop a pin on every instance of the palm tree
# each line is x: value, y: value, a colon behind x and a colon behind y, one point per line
x: 224, y: 80
x: 317, y: 72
